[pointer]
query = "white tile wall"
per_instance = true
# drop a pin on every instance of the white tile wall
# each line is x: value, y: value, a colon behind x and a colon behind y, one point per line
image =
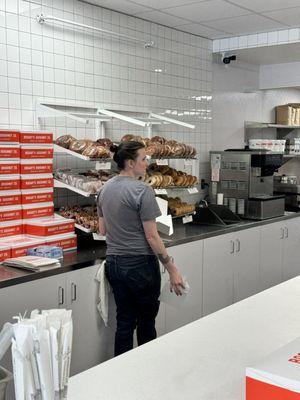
x: 58, y: 62
x: 257, y: 40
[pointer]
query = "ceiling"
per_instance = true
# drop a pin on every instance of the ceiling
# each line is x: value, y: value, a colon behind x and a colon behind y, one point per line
x: 213, y: 19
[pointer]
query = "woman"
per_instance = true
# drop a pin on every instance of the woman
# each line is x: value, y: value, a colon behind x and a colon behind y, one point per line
x: 127, y: 210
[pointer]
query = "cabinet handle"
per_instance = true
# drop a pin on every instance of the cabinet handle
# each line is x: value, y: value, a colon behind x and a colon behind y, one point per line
x: 286, y: 232
x: 238, y: 246
x: 61, y: 296
x: 282, y: 233
x: 232, y: 246
x: 73, y: 292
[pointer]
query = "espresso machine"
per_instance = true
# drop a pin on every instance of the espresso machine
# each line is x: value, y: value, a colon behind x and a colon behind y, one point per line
x: 243, y: 181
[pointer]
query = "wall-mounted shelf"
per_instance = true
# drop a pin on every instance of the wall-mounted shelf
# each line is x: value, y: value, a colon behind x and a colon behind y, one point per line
x: 83, y: 113
x: 96, y: 236
x: 264, y: 125
x: 62, y: 185
x: 253, y: 130
x: 60, y: 149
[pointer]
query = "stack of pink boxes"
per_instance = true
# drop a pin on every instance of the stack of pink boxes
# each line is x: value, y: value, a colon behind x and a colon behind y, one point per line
x: 26, y: 195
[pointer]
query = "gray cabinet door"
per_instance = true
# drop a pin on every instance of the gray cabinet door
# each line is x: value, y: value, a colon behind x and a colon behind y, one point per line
x: 246, y: 263
x: 218, y: 267
x: 291, y: 249
x: 188, y: 258
x: 92, y: 342
x: 271, y: 255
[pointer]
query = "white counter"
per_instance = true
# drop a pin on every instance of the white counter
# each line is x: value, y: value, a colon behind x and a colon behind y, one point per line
x: 204, y: 360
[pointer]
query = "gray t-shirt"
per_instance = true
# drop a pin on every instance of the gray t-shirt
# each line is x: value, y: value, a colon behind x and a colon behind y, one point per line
x: 125, y: 203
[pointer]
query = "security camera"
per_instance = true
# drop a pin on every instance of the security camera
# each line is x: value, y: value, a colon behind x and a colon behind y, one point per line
x: 227, y: 60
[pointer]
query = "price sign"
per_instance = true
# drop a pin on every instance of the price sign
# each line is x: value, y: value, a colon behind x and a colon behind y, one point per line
x: 187, y: 218
x: 161, y: 162
x: 160, y: 191
x: 103, y: 165
x: 193, y: 190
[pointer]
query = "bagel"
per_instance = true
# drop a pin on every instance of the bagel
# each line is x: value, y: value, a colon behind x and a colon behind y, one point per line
x: 179, y: 180
x: 152, y: 181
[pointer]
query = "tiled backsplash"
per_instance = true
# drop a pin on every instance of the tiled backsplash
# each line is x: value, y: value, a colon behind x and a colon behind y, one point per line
x: 58, y: 62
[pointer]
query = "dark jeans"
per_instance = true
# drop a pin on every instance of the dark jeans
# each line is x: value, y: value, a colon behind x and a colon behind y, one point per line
x: 135, y: 281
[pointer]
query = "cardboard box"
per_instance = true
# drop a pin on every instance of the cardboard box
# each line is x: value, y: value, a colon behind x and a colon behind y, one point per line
x: 37, y: 181
x: 49, y: 226
x: 44, y: 166
x: 9, y: 182
x: 288, y: 114
x: 9, y: 151
x: 10, y: 197
x: 19, y: 244
x: 36, y: 137
x: 37, y: 210
x: 28, y: 152
x: 277, y: 377
x: 32, y: 196
x: 9, y: 136
x: 5, y: 252
x: 9, y: 167
x: 11, y: 228
x: 10, y: 213
x: 67, y: 242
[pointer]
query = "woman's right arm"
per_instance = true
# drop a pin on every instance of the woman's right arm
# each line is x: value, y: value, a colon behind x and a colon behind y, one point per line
x: 159, y: 249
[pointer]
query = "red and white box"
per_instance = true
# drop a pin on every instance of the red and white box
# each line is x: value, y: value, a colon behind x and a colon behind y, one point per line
x: 28, y: 152
x: 277, y: 377
x: 10, y: 213
x: 5, y: 252
x: 49, y: 226
x: 37, y: 210
x: 9, y: 151
x: 9, y: 136
x: 11, y: 228
x: 36, y: 137
x: 10, y: 198
x: 9, y: 167
x: 9, y: 182
x: 40, y: 181
x: 66, y: 242
x: 44, y: 166
x: 20, y: 244
x: 36, y: 196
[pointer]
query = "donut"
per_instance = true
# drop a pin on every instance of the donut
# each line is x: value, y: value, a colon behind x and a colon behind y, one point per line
x: 79, y: 145
x: 127, y: 137
x: 158, y: 139
x: 150, y: 151
x: 90, y: 151
x: 102, y: 152
x: 104, y: 142
x: 65, y: 141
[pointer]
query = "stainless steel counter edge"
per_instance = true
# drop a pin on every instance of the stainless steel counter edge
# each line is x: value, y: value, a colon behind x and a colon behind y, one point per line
x: 86, y: 257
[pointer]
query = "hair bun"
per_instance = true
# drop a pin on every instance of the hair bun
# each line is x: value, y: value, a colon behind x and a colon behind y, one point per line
x: 114, y: 148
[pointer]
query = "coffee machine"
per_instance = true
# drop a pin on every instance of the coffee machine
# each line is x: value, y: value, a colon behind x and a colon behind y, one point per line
x: 243, y: 181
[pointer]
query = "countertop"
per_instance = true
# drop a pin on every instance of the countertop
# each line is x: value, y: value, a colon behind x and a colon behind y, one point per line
x: 91, y: 252
x: 204, y: 360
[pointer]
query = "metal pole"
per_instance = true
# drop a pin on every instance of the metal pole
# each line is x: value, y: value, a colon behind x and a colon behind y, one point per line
x: 42, y: 19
